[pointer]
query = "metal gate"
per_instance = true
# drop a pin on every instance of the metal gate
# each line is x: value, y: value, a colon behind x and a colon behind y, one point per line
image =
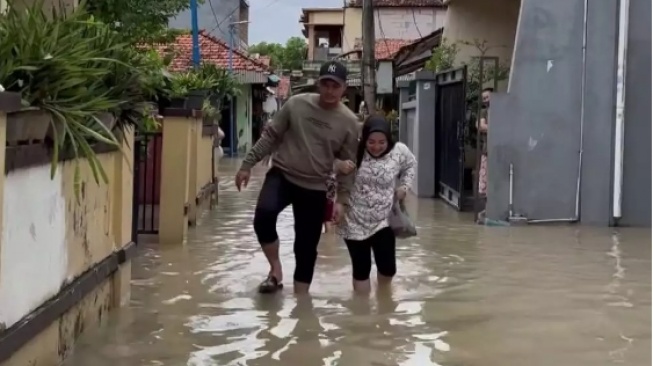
x: 147, y: 183
x: 450, y: 114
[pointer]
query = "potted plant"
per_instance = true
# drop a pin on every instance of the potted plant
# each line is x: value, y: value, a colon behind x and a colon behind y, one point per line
x: 27, y: 126
x: 60, y: 63
x: 178, y: 97
x: 196, y: 97
x: 209, y: 113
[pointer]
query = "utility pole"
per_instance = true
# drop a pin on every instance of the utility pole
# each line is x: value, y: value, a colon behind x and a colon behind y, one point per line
x: 232, y: 118
x: 369, y: 62
x: 195, y: 32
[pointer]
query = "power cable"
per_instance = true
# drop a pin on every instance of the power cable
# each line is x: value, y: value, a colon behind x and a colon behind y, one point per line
x: 415, y: 22
x: 215, y: 17
x: 385, y: 41
x: 228, y: 16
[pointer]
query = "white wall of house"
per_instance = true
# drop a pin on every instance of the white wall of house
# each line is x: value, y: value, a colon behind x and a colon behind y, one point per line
x: 395, y: 23
x: 34, y: 254
x: 408, y: 23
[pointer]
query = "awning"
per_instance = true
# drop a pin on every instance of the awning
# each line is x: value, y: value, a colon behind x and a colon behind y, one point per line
x: 415, y: 55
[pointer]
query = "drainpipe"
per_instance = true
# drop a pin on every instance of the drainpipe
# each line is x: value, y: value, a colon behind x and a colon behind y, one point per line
x: 520, y: 219
x: 622, y: 50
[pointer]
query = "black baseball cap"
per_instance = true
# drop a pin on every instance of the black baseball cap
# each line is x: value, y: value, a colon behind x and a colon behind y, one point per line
x: 333, y: 70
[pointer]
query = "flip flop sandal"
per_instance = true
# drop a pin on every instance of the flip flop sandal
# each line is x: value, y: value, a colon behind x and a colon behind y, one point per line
x: 270, y: 285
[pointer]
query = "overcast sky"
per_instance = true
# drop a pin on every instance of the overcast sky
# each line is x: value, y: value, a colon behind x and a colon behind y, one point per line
x: 278, y: 20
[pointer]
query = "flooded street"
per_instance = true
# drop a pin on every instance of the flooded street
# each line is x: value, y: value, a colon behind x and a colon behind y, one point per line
x: 464, y: 295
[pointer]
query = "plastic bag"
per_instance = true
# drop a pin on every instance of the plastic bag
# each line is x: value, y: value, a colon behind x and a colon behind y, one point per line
x: 400, y: 222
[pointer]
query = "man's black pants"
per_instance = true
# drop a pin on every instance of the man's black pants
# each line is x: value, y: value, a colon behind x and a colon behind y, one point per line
x: 308, y: 209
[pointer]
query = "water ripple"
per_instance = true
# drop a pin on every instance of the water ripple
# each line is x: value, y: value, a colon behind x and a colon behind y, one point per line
x: 464, y: 295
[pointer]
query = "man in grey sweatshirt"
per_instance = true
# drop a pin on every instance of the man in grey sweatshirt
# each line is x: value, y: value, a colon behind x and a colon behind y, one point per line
x: 306, y: 135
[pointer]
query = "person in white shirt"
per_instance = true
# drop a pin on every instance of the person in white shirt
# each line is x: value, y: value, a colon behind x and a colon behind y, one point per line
x: 385, y: 173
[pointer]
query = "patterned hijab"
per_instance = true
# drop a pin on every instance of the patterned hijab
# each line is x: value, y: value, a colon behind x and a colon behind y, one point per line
x: 374, y: 124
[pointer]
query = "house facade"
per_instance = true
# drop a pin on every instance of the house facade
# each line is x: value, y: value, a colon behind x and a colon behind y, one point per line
x: 336, y: 32
x: 569, y: 136
x: 333, y: 31
x: 394, y: 19
x: 251, y: 73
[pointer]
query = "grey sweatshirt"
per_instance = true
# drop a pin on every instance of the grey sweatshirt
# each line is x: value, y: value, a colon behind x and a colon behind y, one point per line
x: 306, y: 139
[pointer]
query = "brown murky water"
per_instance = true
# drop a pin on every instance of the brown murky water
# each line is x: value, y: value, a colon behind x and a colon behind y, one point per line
x: 464, y: 295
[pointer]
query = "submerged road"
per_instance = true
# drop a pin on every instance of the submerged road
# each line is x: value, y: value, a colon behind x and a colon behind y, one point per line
x: 465, y: 295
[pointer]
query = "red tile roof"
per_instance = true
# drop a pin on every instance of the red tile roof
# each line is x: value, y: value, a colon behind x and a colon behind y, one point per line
x: 386, y: 48
x: 400, y: 3
x: 212, y: 50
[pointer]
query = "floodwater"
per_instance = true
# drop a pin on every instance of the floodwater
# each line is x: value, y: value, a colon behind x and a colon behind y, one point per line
x: 465, y: 295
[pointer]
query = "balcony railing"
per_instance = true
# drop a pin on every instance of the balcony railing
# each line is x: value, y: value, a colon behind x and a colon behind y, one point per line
x: 353, y: 66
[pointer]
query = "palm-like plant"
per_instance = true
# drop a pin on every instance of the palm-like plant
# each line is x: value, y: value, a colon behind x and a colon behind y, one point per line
x: 60, y: 63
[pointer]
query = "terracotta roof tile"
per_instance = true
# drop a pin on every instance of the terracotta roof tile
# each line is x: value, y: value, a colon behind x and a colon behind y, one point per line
x: 400, y: 3
x: 212, y: 50
x: 385, y: 49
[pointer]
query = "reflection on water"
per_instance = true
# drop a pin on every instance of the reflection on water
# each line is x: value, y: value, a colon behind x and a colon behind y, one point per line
x: 464, y: 295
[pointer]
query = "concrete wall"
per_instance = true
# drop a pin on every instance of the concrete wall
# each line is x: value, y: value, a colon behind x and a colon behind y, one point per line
x: 396, y: 23
x: 186, y: 176
x: 417, y: 131
x: 199, y: 177
x: 537, y: 125
x: 637, y: 150
x: 331, y: 17
x: 244, y: 119
x: 494, y: 21
x: 50, y: 238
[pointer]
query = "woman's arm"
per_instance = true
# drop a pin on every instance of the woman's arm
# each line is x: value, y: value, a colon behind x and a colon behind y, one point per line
x: 408, y: 167
x: 482, y: 126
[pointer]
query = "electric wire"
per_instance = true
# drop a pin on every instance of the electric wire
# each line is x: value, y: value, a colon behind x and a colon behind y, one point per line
x: 385, y: 40
x: 415, y: 22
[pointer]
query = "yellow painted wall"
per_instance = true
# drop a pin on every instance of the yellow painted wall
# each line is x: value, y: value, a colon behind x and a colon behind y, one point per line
x: 53, y: 237
x: 331, y: 17
x: 204, y: 161
x: 494, y: 21
x: 201, y: 150
x: 353, y: 28
x: 184, y: 149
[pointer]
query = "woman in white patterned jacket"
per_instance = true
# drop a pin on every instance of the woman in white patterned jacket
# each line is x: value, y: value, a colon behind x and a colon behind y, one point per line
x: 385, y: 172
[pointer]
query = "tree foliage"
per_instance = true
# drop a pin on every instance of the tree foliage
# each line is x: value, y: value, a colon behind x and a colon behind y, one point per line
x: 141, y: 21
x: 289, y: 56
x: 444, y: 57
